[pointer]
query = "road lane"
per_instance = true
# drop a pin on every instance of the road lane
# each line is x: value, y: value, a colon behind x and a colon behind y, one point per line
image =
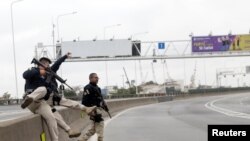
x: 177, y: 120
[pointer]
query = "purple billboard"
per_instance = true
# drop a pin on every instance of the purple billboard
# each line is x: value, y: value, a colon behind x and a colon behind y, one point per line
x: 212, y: 43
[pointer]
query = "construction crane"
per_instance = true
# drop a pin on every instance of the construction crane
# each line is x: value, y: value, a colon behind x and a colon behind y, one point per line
x: 145, y: 77
x: 127, y: 77
x: 168, y: 75
x: 41, y: 50
x: 142, y: 80
x: 192, y: 85
x: 153, y: 71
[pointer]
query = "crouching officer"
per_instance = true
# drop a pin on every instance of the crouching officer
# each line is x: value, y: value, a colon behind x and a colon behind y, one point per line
x: 39, y: 91
x: 92, y: 97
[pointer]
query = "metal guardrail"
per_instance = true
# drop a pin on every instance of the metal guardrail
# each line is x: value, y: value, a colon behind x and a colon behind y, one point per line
x: 10, y: 101
x: 218, y: 90
x: 124, y: 96
x: 174, y: 93
x: 78, y: 98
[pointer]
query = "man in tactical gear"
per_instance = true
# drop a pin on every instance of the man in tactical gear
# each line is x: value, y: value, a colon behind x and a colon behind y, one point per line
x: 39, y: 91
x: 92, y: 97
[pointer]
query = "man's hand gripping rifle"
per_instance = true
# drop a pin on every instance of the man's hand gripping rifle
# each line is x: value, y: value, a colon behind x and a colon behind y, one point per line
x: 104, y: 106
x: 50, y: 72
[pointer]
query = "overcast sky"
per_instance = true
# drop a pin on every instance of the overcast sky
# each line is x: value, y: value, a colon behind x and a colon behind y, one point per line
x: 162, y: 19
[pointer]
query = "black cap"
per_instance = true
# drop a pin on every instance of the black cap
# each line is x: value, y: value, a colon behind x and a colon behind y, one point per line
x: 45, y: 58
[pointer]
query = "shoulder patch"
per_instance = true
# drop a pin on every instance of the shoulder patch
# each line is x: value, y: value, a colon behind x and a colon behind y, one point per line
x: 86, y: 92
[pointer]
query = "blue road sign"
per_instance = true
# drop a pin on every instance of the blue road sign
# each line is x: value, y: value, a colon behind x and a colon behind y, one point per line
x: 161, y: 45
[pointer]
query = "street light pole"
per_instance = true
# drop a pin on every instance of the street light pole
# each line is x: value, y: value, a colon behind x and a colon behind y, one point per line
x: 57, y: 21
x: 164, y: 78
x: 139, y: 33
x: 13, y: 43
x: 106, y: 64
x: 136, y: 87
x: 58, y: 35
x: 109, y: 26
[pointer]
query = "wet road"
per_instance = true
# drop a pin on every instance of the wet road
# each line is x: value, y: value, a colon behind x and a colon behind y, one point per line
x: 178, y: 120
x: 10, y: 112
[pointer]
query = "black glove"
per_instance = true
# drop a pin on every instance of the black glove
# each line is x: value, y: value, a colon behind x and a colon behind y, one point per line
x: 53, y: 110
x: 56, y: 99
x: 49, y: 91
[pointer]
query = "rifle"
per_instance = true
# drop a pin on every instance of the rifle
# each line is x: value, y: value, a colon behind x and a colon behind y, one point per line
x: 102, y: 103
x: 105, y: 107
x: 50, y: 72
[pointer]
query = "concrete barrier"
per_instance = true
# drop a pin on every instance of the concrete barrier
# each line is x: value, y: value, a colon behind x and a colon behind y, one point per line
x: 31, y: 127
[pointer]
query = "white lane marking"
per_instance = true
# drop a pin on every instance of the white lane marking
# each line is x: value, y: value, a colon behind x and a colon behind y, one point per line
x: 210, y: 105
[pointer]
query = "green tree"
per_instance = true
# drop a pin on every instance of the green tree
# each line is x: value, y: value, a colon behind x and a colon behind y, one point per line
x: 129, y: 91
x: 69, y: 93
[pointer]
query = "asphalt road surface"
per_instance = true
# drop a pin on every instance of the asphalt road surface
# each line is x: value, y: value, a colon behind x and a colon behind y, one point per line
x: 10, y: 112
x: 180, y: 120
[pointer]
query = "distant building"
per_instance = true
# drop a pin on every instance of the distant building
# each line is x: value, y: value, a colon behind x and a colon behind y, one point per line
x: 176, y: 84
x: 109, y: 90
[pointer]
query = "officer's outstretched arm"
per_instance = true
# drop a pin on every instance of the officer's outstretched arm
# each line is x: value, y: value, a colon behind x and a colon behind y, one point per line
x: 58, y: 63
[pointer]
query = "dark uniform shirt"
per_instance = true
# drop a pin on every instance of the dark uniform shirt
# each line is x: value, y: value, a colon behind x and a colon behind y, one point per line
x: 92, y: 95
x: 33, y: 79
